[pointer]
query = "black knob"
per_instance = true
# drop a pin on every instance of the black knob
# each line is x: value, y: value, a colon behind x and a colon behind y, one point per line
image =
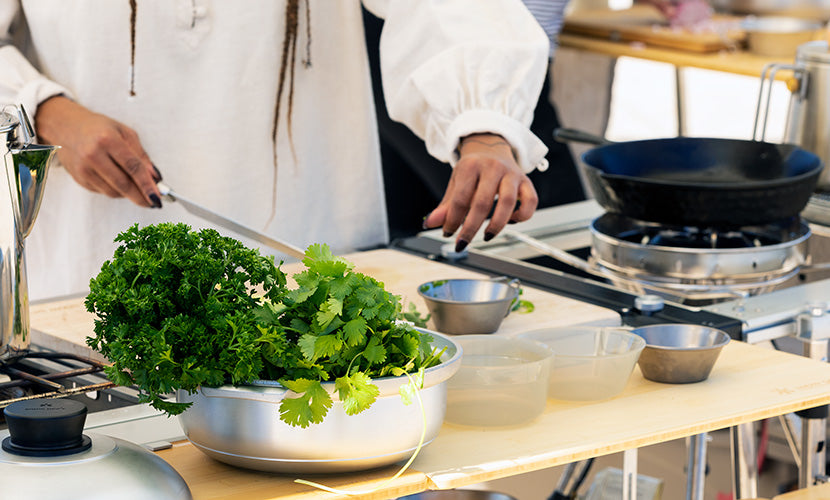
x: 46, y: 427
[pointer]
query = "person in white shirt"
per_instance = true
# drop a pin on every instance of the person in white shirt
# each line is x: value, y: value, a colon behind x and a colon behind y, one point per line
x: 408, y: 168
x: 263, y: 111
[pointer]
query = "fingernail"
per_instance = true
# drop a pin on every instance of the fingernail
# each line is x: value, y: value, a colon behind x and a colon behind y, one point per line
x: 447, y: 234
x: 155, y: 200
x: 511, y: 222
x: 158, y: 174
x: 489, y: 236
x: 424, y: 221
x: 460, y: 245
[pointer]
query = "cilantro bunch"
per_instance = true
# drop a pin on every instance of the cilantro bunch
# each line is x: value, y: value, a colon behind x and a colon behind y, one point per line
x: 179, y: 309
x: 345, y: 326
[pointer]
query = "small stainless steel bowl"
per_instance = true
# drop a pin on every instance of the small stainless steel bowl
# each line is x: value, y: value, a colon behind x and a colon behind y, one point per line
x: 469, y: 306
x: 679, y: 353
x: 778, y: 36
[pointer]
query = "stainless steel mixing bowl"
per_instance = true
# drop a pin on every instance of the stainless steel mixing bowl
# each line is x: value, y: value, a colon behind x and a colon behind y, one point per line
x: 241, y: 426
x: 469, y: 306
x: 679, y: 353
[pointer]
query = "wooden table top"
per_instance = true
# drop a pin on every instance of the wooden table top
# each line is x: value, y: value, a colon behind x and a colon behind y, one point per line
x: 748, y: 383
x: 739, y: 62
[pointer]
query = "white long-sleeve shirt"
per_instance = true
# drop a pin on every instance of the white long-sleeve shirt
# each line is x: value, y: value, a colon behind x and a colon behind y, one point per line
x: 203, y: 82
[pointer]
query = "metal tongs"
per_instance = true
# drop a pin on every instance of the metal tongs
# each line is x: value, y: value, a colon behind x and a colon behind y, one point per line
x: 221, y: 220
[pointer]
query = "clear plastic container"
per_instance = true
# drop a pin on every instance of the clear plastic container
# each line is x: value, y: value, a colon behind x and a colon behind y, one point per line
x: 592, y: 363
x: 502, y: 381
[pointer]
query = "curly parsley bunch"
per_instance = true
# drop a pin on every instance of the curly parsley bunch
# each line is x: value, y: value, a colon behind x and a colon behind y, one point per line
x: 175, y: 310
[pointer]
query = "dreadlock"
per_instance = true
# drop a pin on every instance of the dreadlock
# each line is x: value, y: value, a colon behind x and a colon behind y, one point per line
x: 287, y: 64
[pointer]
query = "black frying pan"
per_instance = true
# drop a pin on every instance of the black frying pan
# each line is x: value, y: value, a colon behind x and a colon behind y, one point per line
x: 699, y: 181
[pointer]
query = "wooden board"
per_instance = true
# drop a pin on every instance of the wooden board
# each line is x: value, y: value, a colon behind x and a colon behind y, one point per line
x: 644, y: 24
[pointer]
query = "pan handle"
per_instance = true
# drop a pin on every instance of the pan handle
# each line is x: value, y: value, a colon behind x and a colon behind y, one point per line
x: 574, y: 135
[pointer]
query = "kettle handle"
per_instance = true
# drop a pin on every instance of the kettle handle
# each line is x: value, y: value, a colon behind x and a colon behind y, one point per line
x: 25, y: 125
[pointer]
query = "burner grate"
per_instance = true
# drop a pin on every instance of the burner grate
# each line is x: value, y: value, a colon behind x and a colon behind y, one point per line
x: 36, y: 384
x: 693, y: 237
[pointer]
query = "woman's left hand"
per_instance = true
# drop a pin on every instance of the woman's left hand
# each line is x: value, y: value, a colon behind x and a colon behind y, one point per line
x: 486, y: 172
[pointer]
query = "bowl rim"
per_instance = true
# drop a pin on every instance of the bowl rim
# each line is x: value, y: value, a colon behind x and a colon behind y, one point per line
x: 639, y: 342
x: 513, y: 292
x: 718, y: 344
x: 271, y: 390
x: 779, y: 25
x: 486, y: 337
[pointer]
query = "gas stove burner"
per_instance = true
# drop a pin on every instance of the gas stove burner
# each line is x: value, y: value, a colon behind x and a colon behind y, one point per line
x: 700, y: 261
x: 693, y: 237
x: 655, y: 234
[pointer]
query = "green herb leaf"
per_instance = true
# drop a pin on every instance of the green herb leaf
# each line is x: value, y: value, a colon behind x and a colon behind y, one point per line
x: 310, y: 407
x: 356, y: 392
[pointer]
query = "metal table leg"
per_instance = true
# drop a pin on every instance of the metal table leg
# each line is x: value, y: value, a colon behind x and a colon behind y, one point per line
x: 744, y: 461
x: 813, y: 449
x: 696, y: 466
x: 630, y: 474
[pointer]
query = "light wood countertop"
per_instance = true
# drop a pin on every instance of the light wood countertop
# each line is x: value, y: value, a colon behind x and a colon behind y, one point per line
x: 737, y: 62
x: 748, y: 383
x: 601, y: 31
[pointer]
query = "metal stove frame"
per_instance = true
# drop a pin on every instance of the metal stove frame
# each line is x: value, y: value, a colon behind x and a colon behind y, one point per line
x: 799, y: 315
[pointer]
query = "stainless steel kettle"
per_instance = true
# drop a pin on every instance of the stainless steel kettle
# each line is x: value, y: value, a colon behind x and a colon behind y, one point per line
x: 47, y: 456
x: 25, y: 165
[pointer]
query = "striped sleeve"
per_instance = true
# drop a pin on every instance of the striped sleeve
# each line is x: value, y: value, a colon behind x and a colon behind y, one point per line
x: 550, y: 14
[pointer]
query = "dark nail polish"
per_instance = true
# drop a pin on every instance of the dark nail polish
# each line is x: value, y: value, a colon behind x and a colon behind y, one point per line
x: 155, y: 200
x: 447, y: 234
x: 460, y: 245
x: 158, y: 174
x: 489, y: 236
x: 512, y: 222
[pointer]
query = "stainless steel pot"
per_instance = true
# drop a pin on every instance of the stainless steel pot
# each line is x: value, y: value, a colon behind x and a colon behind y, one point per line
x: 25, y: 166
x: 808, y: 9
x: 808, y: 119
x: 45, y: 456
x: 241, y: 425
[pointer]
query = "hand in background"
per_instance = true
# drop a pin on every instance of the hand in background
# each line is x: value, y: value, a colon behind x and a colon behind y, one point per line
x: 485, y: 170
x: 691, y: 14
x: 101, y: 154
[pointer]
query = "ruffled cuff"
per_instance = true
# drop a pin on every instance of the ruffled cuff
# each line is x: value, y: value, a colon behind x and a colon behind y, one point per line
x: 528, y: 149
x: 35, y: 92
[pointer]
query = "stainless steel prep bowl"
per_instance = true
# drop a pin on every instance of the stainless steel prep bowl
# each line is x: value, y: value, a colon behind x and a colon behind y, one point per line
x: 679, y: 353
x: 806, y: 9
x: 778, y: 36
x: 469, y: 306
x: 241, y: 426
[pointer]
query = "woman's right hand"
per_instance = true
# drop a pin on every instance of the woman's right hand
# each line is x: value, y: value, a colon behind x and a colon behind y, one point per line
x: 101, y: 154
